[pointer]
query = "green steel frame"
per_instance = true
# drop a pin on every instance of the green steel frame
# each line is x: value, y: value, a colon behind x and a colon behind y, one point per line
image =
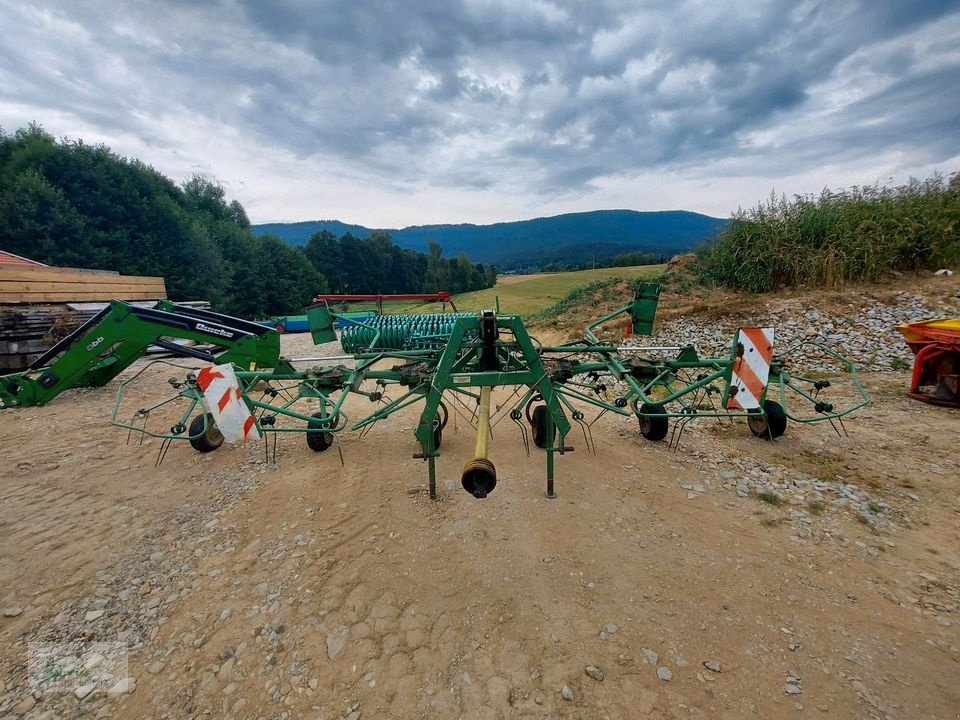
x: 564, y: 378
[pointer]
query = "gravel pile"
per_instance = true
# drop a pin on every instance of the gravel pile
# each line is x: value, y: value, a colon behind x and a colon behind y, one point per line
x: 802, y: 498
x: 865, y: 332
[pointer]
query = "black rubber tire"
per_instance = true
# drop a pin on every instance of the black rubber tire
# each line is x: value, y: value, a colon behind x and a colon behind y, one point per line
x: 653, y: 424
x: 539, y: 423
x: 318, y: 441
x: 771, y: 423
x: 437, y: 434
x: 205, y: 441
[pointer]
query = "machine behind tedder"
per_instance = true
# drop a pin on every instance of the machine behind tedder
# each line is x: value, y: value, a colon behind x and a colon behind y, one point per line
x: 454, y: 360
x: 936, y: 367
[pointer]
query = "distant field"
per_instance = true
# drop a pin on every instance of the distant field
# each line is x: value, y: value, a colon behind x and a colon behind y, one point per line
x: 527, y: 296
x: 524, y: 294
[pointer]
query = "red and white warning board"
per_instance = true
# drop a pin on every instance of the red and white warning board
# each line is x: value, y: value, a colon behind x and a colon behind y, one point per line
x: 751, y: 368
x: 231, y: 414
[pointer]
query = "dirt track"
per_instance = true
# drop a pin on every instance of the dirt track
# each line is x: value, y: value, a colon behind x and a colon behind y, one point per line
x: 312, y: 590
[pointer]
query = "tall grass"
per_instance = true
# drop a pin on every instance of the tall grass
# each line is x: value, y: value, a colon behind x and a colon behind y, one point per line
x: 859, y: 234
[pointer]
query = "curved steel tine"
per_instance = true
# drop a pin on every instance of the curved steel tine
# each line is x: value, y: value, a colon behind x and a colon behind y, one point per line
x: 677, y: 433
x: 587, y: 436
x: 840, y: 420
x: 366, y: 429
x: 835, y: 428
x: 682, y: 426
x: 163, y: 451
x: 523, y: 435
x: 599, y: 415
x: 136, y: 416
x: 673, y: 434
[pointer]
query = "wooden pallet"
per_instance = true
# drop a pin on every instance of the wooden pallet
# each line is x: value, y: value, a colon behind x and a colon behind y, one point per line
x: 32, y: 285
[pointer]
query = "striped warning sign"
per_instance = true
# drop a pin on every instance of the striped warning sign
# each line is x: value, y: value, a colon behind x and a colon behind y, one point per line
x: 751, y: 368
x: 230, y: 413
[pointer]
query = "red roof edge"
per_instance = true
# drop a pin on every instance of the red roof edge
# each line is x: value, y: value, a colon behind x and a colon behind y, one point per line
x: 8, y: 258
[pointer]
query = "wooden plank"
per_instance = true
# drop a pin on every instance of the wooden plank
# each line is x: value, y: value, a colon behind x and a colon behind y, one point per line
x: 78, y: 297
x: 105, y: 279
x: 28, y: 288
x: 66, y: 274
x: 37, y: 285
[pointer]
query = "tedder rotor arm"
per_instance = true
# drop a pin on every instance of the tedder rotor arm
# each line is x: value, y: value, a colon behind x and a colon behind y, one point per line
x: 115, y: 337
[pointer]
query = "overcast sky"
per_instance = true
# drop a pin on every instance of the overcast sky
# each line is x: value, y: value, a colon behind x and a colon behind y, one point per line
x: 390, y: 113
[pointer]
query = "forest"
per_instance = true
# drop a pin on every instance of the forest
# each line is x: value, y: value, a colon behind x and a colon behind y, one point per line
x: 68, y: 203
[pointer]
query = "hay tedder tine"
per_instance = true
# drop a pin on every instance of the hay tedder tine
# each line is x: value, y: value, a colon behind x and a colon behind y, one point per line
x: 517, y: 417
x: 587, y: 433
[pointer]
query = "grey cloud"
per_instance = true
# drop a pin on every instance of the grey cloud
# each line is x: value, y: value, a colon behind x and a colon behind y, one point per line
x: 534, y: 96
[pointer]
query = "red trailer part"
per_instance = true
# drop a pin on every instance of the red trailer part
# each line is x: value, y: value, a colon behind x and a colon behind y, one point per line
x: 936, y: 367
x: 379, y: 299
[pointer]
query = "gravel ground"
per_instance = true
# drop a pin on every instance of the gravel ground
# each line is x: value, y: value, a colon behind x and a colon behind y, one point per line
x: 732, y: 577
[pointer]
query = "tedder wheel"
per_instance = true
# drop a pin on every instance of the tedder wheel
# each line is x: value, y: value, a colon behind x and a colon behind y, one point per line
x: 769, y: 424
x: 539, y: 422
x: 318, y: 441
x: 653, y: 424
x: 205, y: 440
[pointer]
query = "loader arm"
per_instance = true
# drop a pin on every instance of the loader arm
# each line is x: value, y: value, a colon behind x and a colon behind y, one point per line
x: 110, y: 341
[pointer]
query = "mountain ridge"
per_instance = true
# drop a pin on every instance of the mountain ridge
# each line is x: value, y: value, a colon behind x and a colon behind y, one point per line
x: 593, y: 234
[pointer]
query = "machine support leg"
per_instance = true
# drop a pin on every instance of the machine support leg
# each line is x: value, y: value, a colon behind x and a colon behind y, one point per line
x: 432, y: 469
x: 550, y: 443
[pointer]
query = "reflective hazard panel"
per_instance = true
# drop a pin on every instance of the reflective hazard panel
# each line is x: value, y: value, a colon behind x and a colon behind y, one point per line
x: 230, y: 413
x: 751, y: 368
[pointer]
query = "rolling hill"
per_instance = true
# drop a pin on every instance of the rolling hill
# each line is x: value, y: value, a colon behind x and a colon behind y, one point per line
x: 589, y: 235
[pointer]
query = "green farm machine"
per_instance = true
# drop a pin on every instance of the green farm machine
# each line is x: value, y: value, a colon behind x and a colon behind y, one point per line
x: 428, y: 361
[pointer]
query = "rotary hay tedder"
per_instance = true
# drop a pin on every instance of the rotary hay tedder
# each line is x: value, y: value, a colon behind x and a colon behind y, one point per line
x: 245, y: 389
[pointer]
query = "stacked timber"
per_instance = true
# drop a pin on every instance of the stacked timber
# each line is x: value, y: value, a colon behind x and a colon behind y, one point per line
x: 39, y: 305
x: 34, y: 285
x: 27, y: 331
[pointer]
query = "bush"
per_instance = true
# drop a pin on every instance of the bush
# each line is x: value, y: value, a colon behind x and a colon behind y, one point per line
x: 851, y: 235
